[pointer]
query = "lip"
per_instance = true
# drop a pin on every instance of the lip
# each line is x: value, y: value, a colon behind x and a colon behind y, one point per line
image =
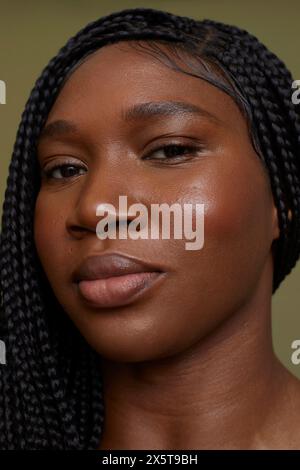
x: 113, y: 279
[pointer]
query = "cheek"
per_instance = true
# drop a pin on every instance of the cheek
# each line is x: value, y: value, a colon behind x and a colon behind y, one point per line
x: 236, y: 245
x: 49, y: 220
x: 237, y: 239
x: 239, y: 219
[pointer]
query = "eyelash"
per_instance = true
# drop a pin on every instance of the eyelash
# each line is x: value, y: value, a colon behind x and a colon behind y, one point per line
x: 49, y: 172
x: 192, y: 150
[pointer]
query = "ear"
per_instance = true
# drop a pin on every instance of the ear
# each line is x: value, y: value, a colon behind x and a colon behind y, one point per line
x: 276, y: 231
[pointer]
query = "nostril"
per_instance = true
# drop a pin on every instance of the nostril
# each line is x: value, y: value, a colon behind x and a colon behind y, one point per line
x: 77, y: 230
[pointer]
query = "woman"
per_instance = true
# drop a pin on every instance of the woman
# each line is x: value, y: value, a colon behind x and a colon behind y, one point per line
x: 139, y: 343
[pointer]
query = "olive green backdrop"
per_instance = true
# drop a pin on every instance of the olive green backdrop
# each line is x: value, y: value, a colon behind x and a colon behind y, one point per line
x: 31, y: 33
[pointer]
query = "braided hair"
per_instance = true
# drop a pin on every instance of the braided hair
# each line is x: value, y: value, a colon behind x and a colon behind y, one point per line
x: 51, y: 390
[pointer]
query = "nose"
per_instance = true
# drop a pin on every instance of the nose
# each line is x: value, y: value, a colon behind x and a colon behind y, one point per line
x: 97, y: 193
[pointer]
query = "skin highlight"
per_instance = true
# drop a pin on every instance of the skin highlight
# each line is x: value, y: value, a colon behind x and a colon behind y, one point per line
x: 190, y: 364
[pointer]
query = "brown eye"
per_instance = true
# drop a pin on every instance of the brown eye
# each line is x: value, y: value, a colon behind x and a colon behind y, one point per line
x: 172, y: 151
x: 64, y: 171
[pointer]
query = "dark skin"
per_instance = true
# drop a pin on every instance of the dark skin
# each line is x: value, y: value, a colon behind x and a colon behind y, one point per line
x: 190, y: 365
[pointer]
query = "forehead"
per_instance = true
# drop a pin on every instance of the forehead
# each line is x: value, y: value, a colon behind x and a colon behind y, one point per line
x: 118, y: 76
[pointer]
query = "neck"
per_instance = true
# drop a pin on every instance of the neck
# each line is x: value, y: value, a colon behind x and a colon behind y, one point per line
x: 220, y: 393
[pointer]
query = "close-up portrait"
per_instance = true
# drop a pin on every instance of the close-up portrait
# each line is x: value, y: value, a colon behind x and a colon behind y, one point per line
x: 150, y: 226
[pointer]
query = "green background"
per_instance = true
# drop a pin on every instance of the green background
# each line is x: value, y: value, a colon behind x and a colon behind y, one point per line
x: 32, y: 32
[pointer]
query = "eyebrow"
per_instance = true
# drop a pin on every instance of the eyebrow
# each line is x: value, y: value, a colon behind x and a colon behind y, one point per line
x: 165, y: 109
x: 140, y: 111
x: 58, y: 128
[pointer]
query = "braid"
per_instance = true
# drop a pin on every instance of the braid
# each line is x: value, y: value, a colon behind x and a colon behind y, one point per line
x: 51, y: 394
x: 267, y: 83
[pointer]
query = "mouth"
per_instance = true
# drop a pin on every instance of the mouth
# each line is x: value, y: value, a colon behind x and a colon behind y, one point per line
x: 117, y: 290
x: 113, y: 280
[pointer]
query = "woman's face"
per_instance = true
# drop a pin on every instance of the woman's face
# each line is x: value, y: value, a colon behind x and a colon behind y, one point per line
x: 200, y: 288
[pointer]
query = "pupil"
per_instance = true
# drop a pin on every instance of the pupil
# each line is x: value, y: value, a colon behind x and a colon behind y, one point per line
x: 68, y: 171
x: 174, y: 150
